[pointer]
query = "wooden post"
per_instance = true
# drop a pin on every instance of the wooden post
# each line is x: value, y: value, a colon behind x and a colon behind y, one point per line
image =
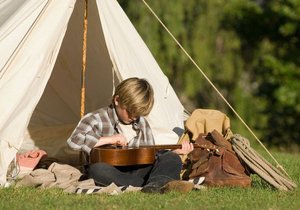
x: 82, y: 156
x: 85, y: 23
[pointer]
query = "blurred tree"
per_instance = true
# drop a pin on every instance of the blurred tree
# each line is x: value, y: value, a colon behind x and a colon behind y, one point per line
x: 270, y: 33
x: 196, y: 25
x: 249, y: 49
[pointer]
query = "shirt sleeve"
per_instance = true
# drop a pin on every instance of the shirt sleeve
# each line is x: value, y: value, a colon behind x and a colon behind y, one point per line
x: 86, y: 134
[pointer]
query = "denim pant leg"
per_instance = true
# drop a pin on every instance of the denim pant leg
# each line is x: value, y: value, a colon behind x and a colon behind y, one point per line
x: 166, y: 168
x: 104, y: 174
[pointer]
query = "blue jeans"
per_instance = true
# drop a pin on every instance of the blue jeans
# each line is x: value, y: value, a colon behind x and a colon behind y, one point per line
x: 167, y: 167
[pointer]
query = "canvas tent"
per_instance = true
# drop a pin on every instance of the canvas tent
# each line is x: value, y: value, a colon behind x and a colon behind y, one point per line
x: 40, y: 73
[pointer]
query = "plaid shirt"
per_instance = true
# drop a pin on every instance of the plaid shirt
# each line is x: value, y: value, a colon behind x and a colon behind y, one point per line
x: 104, y: 122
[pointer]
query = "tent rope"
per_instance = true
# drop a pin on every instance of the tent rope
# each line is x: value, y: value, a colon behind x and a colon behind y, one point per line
x: 214, y: 87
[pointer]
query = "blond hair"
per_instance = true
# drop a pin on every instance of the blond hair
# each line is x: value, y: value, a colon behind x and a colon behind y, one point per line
x: 136, y: 95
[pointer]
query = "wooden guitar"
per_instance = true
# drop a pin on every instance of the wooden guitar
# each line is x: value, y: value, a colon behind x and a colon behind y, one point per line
x: 125, y: 156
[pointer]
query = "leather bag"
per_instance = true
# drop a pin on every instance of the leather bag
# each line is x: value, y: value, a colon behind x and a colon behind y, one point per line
x: 220, y: 166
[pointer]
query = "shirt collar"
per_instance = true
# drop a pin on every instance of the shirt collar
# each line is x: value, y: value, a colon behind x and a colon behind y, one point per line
x: 115, y: 120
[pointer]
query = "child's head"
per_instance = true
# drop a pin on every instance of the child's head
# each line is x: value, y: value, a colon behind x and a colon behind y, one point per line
x: 135, y: 95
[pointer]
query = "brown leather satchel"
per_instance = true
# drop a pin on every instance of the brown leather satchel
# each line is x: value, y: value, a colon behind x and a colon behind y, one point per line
x: 220, y: 166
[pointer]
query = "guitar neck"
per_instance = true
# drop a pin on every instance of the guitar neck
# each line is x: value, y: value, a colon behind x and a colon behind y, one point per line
x: 177, y: 146
x: 161, y: 147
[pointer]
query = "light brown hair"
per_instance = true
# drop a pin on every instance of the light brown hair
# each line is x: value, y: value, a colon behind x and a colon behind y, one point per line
x: 136, y: 95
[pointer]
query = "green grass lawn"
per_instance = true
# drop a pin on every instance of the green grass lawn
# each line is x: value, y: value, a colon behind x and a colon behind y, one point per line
x: 259, y: 196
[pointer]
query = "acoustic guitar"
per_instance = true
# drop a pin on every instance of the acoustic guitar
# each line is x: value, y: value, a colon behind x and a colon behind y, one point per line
x: 125, y: 156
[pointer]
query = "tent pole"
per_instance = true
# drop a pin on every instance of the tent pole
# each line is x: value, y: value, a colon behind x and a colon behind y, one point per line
x: 85, y: 22
x: 82, y: 156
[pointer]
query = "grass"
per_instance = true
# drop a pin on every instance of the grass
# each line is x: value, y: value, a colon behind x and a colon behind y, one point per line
x: 259, y: 196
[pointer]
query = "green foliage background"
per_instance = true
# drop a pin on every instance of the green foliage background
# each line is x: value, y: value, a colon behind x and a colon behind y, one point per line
x: 248, y: 49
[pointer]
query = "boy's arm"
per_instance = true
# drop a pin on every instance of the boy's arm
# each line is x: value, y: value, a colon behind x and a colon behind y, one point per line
x: 86, y: 135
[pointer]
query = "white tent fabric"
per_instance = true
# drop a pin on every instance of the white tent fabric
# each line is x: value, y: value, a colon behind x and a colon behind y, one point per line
x: 40, y: 74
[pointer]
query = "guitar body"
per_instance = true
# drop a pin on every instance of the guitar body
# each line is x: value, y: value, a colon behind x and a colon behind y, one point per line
x: 123, y: 157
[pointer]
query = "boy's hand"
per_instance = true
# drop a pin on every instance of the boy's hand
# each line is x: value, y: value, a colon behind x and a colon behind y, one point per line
x: 186, y: 148
x: 117, y: 139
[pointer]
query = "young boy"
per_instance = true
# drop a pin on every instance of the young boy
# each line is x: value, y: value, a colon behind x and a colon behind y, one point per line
x: 123, y: 123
